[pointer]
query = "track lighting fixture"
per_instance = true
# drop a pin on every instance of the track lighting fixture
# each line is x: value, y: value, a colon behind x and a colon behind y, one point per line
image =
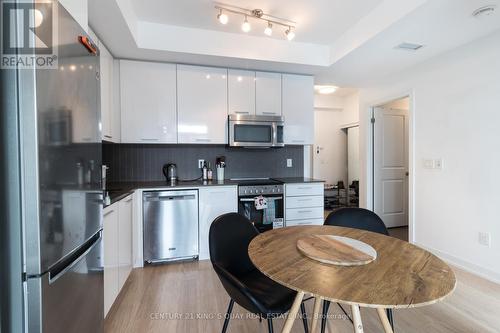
x: 257, y: 14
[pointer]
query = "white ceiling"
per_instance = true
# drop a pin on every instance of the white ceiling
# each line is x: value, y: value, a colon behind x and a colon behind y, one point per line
x: 345, y: 43
x: 318, y: 21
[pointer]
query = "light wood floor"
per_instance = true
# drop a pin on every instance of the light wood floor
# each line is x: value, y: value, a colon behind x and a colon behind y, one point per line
x: 188, y: 297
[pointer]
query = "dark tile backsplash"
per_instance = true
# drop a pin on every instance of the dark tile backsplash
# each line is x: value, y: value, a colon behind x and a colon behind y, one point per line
x: 144, y: 162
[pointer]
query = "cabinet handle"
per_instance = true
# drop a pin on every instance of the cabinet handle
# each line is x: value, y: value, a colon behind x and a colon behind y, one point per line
x: 269, y: 113
x: 143, y: 139
x: 241, y: 112
x: 203, y: 140
x: 108, y: 212
x: 298, y: 141
x: 130, y: 199
x: 108, y: 136
x: 305, y: 188
x: 301, y: 200
x: 303, y: 223
x: 305, y: 211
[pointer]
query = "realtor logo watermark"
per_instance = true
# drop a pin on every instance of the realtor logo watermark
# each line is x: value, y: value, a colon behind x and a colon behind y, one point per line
x: 29, y: 34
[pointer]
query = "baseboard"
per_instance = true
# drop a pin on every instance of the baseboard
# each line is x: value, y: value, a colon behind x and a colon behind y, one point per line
x: 465, y: 265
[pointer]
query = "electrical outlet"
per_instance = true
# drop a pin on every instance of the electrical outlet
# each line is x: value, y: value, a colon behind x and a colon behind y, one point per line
x: 438, y: 163
x: 484, y: 238
x: 289, y: 163
x: 200, y: 164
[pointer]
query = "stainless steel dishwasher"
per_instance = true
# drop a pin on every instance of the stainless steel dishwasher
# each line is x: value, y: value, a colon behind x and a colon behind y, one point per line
x: 170, y: 225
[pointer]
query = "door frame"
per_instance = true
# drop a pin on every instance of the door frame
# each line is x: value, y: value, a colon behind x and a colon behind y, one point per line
x: 370, y: 168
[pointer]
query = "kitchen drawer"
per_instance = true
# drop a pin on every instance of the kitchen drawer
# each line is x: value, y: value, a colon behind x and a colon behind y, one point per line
x: 305, y: 201
x: 304, y: 222
x: 304, y: 213
x: 295, y: 190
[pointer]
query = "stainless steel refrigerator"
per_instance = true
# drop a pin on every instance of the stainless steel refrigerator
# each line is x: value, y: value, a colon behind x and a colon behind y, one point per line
x: 61, y: 187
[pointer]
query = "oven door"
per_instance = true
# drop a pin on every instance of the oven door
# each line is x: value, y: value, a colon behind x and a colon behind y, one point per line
x: 266, y: 219
x: 251, y: 134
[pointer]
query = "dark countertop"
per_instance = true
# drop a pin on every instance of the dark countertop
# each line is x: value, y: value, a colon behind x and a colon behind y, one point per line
x: 292, y: 180
x: 119, y: 190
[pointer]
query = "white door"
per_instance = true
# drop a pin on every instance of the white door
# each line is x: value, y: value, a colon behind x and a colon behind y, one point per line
x: 391, y: 166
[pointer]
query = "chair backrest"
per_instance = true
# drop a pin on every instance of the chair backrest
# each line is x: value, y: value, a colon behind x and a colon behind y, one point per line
x: 229, y: 237
x: 358, y: 218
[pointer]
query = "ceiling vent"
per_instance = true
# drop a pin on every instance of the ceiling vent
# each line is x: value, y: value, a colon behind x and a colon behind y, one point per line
x: 409, y: 46
x: 484, y: 11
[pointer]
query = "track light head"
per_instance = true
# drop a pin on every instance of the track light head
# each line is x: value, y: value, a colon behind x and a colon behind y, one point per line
x: 223, y: 18
x: 290, y: 34
x: 246, y: 26
x: 269, y: 29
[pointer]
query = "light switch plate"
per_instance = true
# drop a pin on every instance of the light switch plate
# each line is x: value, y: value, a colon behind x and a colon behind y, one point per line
x: 484, y: 238
x: 289, y: 163
x: 200, y: 164
x: 428, y: 164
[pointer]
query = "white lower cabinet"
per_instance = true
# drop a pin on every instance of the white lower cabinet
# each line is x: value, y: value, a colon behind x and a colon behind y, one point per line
x: 304, y: 204
x: 110, y: 239
x: 117, y: 237
x: 124, y: 240
x: 214, y: 201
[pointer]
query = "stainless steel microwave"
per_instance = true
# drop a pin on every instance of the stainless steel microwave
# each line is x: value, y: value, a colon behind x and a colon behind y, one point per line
x: 255, y: 131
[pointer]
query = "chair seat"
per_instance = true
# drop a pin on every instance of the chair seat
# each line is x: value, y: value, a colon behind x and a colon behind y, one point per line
x: 271, y: 297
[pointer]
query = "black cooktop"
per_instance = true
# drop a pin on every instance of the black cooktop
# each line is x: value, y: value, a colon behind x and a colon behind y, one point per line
x: 256, y: 181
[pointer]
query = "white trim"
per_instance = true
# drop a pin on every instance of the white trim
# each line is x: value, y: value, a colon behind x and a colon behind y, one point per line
x: 463, y: 264
x: 411, y: 158
x: 350, y: 125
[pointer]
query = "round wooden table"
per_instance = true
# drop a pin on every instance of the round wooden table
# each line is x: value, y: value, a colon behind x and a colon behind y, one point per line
x: 402, y: 276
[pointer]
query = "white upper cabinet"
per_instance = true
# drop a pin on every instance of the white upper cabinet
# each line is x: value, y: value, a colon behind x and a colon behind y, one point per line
x: 107, y: 87
x: 241, y: 92
x: 268, y: 93
x: 148, y: 102
x: 298, y: 109
x: 202, y: 104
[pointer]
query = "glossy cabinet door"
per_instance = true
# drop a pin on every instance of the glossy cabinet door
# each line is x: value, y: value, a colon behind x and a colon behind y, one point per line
x: 298, y: 109
x: 214, y: 201
x: 124, y: 239
x: 148, y: 102
x: 110, y: 239
x: 241, y: 92
x: 107, y: 88
x: 268, y: 94
x: 202, y: 104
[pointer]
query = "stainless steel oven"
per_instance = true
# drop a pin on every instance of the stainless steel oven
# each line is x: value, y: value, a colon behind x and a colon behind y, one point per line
x: 255, y: 131
x: 270, y: 217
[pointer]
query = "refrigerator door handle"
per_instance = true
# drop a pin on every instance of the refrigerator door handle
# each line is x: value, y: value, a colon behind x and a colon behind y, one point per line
x: 67, y: 263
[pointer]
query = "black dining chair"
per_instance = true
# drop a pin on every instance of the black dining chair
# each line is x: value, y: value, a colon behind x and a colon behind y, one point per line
x: 357, y: 218
x: 229, y: 237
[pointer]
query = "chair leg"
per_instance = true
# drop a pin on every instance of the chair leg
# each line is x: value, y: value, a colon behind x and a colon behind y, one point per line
x: 228, y: 316
x: 304, y: 317
x: 391, y: 318
x: 270, y: 325
x: 324, y: 315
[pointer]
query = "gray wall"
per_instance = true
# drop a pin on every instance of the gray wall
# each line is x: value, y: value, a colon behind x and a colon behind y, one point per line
x: 144, y: 162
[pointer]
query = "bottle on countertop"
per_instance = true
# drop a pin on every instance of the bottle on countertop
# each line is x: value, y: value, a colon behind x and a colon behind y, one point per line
x: 209, y: 172
x: 204, y: 172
